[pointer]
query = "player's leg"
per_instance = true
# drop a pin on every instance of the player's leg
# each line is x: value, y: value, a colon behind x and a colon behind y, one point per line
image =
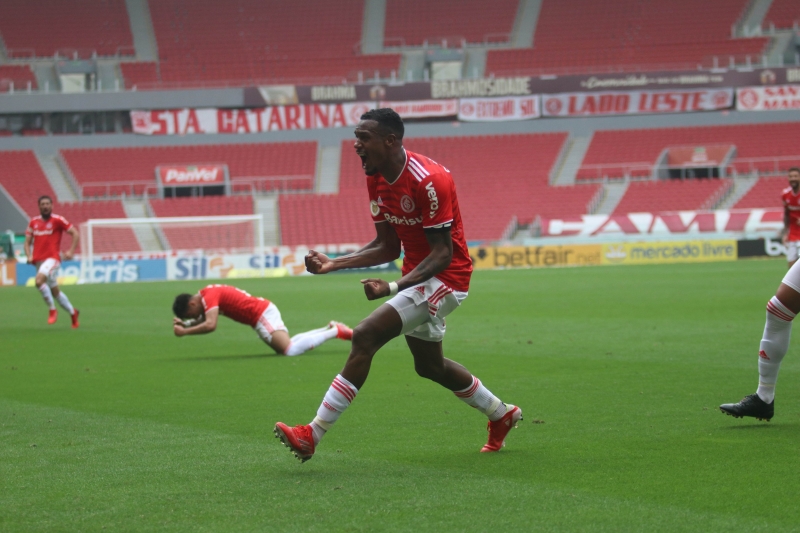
x: 41, y: 281
x: 303, y: 342
x: 63, y: 301
x: 781, y: 311
x: 369, y: 336
x: 792, y: 249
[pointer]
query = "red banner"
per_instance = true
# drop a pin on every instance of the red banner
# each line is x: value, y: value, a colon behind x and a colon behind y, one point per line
x: 635, y: 102
x: 273, y: 118
x: 177, y: 175
x: 498, y: 109
x: 424, y: 108
x: 768, y: 98
x: 739, y: 221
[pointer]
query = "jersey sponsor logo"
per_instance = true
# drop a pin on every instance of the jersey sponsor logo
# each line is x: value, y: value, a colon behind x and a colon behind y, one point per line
x: 433, y: 198
x: 402, y: 221
x: 41, y: 232
x: 374, y: 209
x: 407, y: 204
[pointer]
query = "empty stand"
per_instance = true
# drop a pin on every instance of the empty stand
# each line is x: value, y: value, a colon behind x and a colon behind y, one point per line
x: 16, y: 77
x: 586, y: 35
x: 413, y: 22
x: 24, y: 179
x: 107, y: 240
x: 763, y: 147
x: 498, y: 178
x: 671, y: 195
x: 218, y: 238
x: 783, y: 14
x: 765, y: 193
x: 140, y: 73
x: 263, y: 166
x: 249, y: 41
x: 46, y: 27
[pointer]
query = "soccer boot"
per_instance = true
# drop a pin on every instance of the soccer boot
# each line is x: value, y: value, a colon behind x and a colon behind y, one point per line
x: 74, y: 317
x: 500, y: 428
x: 342, y: 331
x: 750, y: 406
x: 299, y: 439
x: 53, y: 316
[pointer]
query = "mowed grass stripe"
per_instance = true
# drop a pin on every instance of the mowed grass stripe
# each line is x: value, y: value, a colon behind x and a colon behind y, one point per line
x: 623, y: 368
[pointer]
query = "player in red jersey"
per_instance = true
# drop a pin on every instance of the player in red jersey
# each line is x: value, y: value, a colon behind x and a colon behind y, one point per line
x: 44, y: 233
x: 791, y: 215
x: 197, y: 314
x: 413, y: 204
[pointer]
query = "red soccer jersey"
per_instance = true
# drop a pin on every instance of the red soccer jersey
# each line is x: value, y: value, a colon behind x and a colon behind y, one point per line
x: 791, y: 201
x: 47, y: 237
x: 423, y: 197
x: 234, y: 303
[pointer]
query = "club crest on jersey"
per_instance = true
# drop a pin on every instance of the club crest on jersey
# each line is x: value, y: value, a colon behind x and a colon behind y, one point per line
x: 374, y: 209
x: 407, y: 204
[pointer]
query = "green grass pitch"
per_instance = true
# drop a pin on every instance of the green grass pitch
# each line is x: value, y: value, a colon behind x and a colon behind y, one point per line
x: 120, y: 426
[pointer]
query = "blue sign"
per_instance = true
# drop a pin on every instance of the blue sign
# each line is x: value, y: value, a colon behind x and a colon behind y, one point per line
x: 118, y: 271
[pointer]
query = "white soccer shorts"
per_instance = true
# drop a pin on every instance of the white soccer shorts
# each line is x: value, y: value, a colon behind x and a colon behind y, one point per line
x: 423, y: 309
x: 791, y: 251
x: 269, y: 321
x: 49, y: 268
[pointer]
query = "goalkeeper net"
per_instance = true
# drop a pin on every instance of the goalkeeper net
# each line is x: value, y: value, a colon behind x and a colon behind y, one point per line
x: 169, y: 236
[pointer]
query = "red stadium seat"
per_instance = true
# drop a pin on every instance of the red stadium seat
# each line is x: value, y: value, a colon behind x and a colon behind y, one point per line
x: 765, y: 193
x: 783, y: 14
x: 670, y: 195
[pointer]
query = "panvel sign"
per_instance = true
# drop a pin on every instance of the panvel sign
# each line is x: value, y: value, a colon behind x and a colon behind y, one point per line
x: 487, y: 257
x: 498, y: 109
x: 177, y: 175
x: 635, y: 102
x: 751, y: 221
x: 768, y: 98
x: 273, y: 118
x: 643, y: 253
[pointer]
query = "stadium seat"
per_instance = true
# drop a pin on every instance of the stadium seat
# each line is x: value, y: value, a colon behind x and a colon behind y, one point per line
x: 671, y: 195
x: 42, y: 28
x: 412, y: 22
x: 263, y: 166
x: 217, y: 238
x: 612, y: 152
x: 628, y: 35
x: 107, y: 240
x: 765, y: 193
x: 783, y: 14
x: 17, y: 78
x: 24, y: 179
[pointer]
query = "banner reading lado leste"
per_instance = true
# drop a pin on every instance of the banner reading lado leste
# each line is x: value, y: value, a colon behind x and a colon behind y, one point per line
x: 635, y: 102
x: 768, y: 98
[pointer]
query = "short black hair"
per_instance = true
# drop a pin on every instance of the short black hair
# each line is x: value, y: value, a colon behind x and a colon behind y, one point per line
x: 794, y: 169
x: 44, y: 197
x: 388, y: 119
x: 181, y: 305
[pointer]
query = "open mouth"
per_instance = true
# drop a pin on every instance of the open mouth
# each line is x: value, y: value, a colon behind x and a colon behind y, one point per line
x: 363, y: 157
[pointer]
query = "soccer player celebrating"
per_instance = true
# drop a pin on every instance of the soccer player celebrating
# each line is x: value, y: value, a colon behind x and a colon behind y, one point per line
x: 781, y: 311
x: 791, y: 215
x: 44, y: 233
x: 197, y: 314
x: 413, y: 204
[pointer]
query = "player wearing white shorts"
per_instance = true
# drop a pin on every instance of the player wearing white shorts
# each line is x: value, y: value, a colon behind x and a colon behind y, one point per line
x: 791, y: 216
x: 197, y: 314
x: 414, y: 205
x: 781, y: 311
x: 44, y: 235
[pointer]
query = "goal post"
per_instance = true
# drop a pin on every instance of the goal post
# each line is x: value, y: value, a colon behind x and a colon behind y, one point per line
x: 109, y: 238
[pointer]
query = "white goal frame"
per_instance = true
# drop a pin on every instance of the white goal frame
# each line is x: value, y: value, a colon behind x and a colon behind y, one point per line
x: 88, y: 227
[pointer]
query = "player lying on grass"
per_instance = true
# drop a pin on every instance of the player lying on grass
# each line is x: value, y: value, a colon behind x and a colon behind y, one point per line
x: 781, y: 310
x: 197, y: 314
x: 44, y: 235
x: 413, y: 204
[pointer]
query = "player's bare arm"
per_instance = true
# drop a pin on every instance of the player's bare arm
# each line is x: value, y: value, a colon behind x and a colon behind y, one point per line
x: 441, y: 245
x: 27, y: 247
x: 76, y: 238
x: 384, y: 247
x: 206, y: 326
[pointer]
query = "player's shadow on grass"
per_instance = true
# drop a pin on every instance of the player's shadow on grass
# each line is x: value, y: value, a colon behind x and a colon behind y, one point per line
x: 763, y: 427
